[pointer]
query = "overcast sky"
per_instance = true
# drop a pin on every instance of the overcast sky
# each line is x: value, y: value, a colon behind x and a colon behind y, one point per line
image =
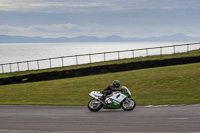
x: 126, y: 18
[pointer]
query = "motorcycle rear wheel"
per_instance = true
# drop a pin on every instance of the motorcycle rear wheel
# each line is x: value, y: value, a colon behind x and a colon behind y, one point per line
x: 128, y: 105
x: 94, y: 105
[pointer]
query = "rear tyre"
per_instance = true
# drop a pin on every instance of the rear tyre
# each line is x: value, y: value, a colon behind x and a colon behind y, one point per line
x: 128, y: 105
x: 94, y: 105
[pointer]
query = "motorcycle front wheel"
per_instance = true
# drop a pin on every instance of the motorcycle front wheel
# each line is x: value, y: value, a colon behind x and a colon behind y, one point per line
x: 94, y: 105
x: 128, y: 105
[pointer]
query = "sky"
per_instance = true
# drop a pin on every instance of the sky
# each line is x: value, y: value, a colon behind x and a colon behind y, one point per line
x: 125, y: 18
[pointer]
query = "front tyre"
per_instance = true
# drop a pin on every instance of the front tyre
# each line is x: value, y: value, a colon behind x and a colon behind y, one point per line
x: 94, y: 105
x: 128, y: 105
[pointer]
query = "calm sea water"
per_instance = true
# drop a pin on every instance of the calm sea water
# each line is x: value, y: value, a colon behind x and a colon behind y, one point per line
x: 17, y: 52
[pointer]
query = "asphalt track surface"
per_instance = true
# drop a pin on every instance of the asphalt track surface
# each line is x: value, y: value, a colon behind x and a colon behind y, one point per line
x: 55, y: 119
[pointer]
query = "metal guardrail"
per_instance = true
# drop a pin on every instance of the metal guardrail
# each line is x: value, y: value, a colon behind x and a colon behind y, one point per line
x: 28, y: 65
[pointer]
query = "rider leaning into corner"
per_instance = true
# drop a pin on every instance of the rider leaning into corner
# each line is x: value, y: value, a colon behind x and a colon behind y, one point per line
x: 108, y: 90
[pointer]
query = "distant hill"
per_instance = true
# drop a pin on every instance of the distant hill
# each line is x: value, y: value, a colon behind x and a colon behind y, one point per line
x: 114, y: 38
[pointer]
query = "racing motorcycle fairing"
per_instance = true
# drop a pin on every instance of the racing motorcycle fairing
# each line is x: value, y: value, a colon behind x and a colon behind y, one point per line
x: 114, y: 101
x: 96, y: 94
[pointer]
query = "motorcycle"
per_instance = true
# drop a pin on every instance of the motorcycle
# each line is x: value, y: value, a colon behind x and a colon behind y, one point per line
x: 114, y: 101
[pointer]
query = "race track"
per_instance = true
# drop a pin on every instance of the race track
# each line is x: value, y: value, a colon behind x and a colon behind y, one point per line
x: 42, y: 119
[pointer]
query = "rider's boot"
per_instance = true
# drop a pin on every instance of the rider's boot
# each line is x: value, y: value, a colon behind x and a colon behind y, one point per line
x: 102, y: 99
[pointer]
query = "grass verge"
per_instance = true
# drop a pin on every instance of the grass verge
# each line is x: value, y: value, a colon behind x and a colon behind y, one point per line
x: 164, y: 85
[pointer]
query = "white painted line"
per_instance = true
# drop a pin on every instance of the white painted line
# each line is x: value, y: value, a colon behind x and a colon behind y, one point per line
x: 159, y: 106
x: 178, y: 118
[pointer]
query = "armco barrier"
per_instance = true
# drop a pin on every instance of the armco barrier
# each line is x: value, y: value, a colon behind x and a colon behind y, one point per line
x: 98, y: 70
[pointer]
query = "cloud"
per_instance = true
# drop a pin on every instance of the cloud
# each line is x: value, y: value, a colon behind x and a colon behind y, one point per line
x: 70, y: 29
x: 50, y: 6
x: 55, y: 6
x: 93, y: 29
x: 140, y: 18
x: 54, y: 28
x: 65, y: 27
x: 8, y: 28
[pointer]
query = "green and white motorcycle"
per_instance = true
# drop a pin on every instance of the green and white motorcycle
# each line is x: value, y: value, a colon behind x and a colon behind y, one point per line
x: 114, y: 101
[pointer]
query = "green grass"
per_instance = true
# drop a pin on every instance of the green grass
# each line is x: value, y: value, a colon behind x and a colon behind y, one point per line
x: 191, y: 53
x: 163, y: 85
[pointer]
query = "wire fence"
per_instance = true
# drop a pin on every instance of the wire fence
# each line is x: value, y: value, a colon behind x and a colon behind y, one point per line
x: 95, y: 57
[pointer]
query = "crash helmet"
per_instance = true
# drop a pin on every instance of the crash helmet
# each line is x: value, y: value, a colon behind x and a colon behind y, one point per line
x: 116, y: 83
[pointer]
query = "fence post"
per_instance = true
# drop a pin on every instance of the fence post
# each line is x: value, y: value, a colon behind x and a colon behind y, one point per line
x: 2, y: 68
x: 18, y: 66
x: 133, y: 54
x: 174, y: 49
x: 76, y: 60
x: 161, y: 52
x: 187, y: 48
x: 104, y: 56
x: 90, y: 58
x: 147, y: 52
x: 50, y: 62
x: 10, y: 67
x: 28, y: 65
x: 62, y: 61
x: 118, y: 55
x: 38, y: 64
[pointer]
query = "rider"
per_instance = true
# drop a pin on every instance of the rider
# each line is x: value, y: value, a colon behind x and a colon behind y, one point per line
x: 110, y: 89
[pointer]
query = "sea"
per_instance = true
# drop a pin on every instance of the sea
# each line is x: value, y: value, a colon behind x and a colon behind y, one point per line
x: 11, y: 53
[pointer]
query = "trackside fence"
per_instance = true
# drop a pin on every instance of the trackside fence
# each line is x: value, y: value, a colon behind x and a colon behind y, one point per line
x: 95, y: 57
